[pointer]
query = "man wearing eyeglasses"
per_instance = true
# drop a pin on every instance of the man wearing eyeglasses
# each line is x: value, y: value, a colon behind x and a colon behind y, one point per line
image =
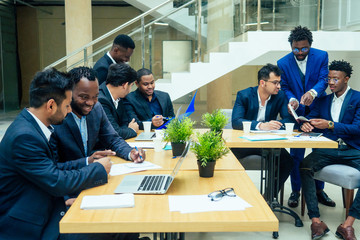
x: 261, y: 105
x: 337, y: 116
x: 304, y: 73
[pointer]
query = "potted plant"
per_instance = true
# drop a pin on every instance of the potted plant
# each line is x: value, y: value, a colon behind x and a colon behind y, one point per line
x: 216, y: 120
x: 208, y: 148
x: 178, y: 132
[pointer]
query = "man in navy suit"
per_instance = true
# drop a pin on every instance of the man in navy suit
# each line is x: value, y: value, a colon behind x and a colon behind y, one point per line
x: 337, y: 116
x: 146, y: 103
x: 304, y: 73
x: 120, y: 79
x: 261, y: 105
x: 32, y: 183
x: 120, y: 52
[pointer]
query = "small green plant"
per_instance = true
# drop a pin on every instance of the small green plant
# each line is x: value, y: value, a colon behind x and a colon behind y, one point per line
x: 179, y: 131
x: 209, y: 147
x: 216, y: 120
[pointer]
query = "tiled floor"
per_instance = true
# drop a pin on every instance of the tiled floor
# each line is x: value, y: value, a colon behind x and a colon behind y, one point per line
x: 332, y: 216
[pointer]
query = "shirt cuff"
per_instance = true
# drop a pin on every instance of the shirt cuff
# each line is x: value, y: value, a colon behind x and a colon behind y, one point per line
x: 87, y: 161
x: 314, y: 92
x: 294, y: 99
x: 258, y: 126
x: 129, y: 156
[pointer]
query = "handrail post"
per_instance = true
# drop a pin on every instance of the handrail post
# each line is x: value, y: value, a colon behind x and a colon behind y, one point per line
x: 199, y: 30
x: 85, y: 57
x: 143, y: 42
x: 150, y: 48
x: 258, y: 16
x: 318, y: 15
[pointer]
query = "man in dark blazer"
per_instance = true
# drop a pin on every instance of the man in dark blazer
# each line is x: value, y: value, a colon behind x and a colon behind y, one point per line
x: 118, y: 84
x: 304, y: 73
x: 337, y: 116
x: 120, y: 52
x: 148, y: 104
x: 32, y: 184
x: 261, y: 105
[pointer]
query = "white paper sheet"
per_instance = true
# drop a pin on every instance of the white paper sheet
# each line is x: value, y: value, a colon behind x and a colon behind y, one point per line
x: 108, y: 201
x: 269, y: 131
x: 264, y: 137
x: 124, y: 168
x: 306, y: 138
x: 142, y: 144
x: 202, y: 203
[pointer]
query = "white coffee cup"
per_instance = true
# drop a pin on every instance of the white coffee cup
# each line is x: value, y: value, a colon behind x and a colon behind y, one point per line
x: 158, y: 144
x: 246, y: 126
x: 159, y: 133
x: 289, y: 128
x: 147, y: 126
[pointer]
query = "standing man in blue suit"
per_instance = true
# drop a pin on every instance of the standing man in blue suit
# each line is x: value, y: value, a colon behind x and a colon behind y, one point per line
x: 120, y: 79
x: 148, y: 104
x: 32, y: 183
x: 120, y: 52
x: 261, y: 105
x: 304, y: 73
x: 337, y: 116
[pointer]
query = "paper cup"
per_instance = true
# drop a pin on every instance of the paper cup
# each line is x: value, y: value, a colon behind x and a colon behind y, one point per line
x: 147, y: 126
x: 159, y: 133
x: 246, y: 127
x: 158, y: 144
x: 289, y: 128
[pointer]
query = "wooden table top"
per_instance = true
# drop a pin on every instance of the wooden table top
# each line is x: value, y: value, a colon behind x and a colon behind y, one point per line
x: 151, y: 212
x: 167, y: 162
x: 233, y: 140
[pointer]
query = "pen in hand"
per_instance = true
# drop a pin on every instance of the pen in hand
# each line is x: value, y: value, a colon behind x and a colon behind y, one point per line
x: 138, y: 152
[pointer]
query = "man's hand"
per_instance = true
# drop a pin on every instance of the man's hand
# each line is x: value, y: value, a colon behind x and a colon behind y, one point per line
x: 157, y: 120
x: 320, y: 123
x: 100, y: 154
x: 294, y: 104
x: 134, y: 125
x: 105, y: 162
x: 307, y: 127
x: 70, y: 202
x: 272, y: 125
x: 138, y: 156
x: 307, y: 99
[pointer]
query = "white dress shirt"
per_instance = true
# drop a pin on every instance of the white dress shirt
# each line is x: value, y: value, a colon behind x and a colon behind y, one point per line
x: 42, y: 126
x: 108, y: 53
x: 116, y: 102
x: 261, y: 111
x: 336, y: 105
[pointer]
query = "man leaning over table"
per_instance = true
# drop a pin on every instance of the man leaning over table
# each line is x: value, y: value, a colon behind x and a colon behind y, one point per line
x: 261, y: 105
x: 32, y: 184
x: 337, y: 116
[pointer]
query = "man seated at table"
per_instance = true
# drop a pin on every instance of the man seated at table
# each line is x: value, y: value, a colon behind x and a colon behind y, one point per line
x: 261, y: 105
x: 32, y: 184
x: 118, y: 84
x: 146, y: 103
x: 76, y: 137
x: 337, y: 116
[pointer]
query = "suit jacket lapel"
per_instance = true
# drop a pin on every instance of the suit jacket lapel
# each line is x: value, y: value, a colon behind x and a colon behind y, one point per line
x: 162, y: 103
x: 74, y: 129
x: 345, y: 104
x: 268, y: 109
x: 296, y: 69
x: 309, y: 67
x: 109, y: 97
x: 254, y: 104
x: 144, y: 104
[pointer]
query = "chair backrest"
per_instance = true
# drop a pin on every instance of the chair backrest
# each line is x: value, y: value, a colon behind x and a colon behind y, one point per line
x: 228, y: 113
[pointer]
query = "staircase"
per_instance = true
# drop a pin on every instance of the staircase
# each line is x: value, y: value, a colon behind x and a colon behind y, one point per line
x: 261, y: 48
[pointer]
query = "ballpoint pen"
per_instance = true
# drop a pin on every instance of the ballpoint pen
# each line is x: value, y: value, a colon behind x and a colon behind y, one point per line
x: 138, y: 152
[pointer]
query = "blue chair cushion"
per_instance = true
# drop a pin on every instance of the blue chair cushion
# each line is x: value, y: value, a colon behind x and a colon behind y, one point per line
x: 340, y: 175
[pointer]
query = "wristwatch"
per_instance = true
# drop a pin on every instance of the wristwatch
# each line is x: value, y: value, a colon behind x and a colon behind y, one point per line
x: 312, y: 94
x: 331, y: 125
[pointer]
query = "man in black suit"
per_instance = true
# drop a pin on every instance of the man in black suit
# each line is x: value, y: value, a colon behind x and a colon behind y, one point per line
x: 32, y: 183
x: 146, y: 103
x: 120, y: 52
x: 261, y: 105
x: 118, y: 84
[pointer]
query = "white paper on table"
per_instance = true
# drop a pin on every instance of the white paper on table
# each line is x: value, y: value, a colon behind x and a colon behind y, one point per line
x: 307, y: 138
x: 108, y: 201
x: 263, y: 137
x: 202, y: 203
x: 148, y: 144
x: 124, y: 168
x: 269, y: 131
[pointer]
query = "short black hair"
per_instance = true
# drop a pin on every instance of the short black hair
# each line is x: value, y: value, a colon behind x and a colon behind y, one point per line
x: 124, y: 41
x: 142, y: 72
x: 264, y: 72
x: 341, y: 65
x: 78, y: 73
x: 49, y: 84
x: 119, y: 74
x: 300, y: 33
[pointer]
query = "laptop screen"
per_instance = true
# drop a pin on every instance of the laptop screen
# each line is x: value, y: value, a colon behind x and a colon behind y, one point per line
x: 178, y: 164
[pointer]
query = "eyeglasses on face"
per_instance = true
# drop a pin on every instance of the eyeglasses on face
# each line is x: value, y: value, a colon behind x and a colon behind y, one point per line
x: 304, y: 50
x: 218, y: 195
x: 276, y: 83
x: 335, y: 80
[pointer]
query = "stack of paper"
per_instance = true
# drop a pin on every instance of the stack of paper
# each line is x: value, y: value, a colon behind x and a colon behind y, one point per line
x: 124, y: 168
x: 264, y: 137
x: 108, y: 201
x: 202, y: 203
x: 141, y: 144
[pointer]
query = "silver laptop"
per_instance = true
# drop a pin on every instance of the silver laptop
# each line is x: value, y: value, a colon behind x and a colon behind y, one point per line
x: 145, y: 136
x: 150, y: 184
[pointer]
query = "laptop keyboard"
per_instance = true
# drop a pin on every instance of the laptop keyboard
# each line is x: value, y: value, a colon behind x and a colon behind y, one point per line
x: 151, y: 183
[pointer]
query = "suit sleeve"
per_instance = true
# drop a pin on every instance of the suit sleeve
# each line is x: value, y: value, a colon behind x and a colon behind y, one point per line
x: 101, y: 72
x: 238, y: 114
x: 286, y: 117
x: 285, y: 81
x: 321, y: 84
x: 110, y: 138
x: 170, y: 109
x: 124, y: 131
x: 32, y: 161
x: 130, y: 109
